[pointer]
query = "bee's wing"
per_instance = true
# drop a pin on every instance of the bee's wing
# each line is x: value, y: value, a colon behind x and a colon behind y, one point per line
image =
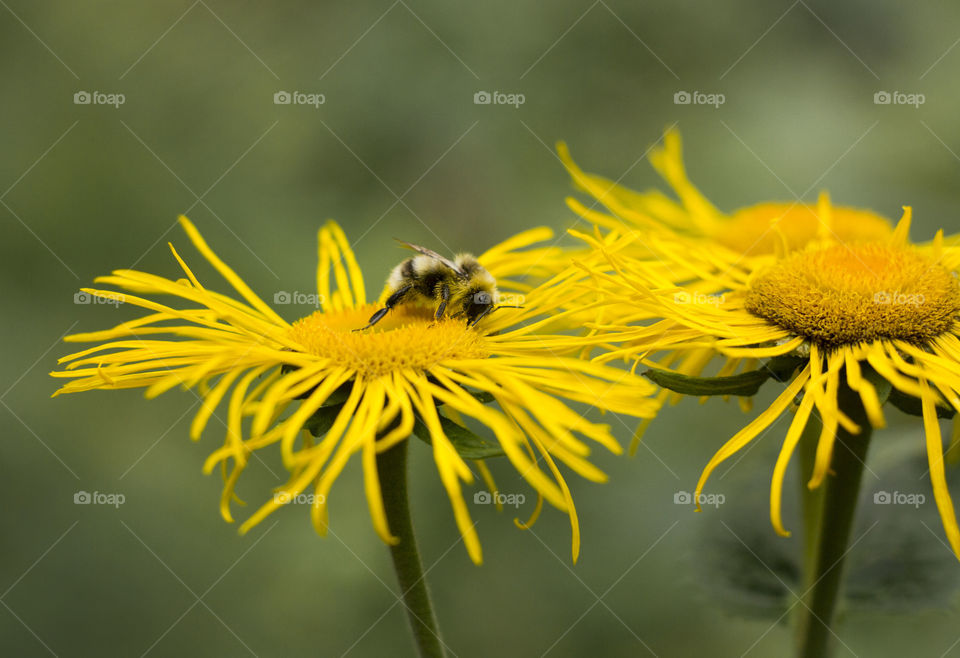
x: 429, y: 252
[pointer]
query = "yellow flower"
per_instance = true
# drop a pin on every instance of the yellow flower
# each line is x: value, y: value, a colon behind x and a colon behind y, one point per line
x: 371, y: 387
x: 751, y: 231
x: 860, y: 315
x: 659, y: 229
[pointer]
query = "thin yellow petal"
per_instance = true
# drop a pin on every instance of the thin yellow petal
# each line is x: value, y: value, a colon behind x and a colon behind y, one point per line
x: 766, y: 418
x: 937, y: 474
x: 783, y: 460
x: 227, y: 273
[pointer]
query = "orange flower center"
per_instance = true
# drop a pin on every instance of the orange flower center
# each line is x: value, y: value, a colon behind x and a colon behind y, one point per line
x: 753, y: 231
x: 847, y: 294
x: 406, y: 338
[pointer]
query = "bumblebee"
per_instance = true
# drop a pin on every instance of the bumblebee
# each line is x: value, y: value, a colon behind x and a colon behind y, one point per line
x: 461, y: 285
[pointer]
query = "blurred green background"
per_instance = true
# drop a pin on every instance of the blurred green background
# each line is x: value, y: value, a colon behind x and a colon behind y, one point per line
x: 399, y: 148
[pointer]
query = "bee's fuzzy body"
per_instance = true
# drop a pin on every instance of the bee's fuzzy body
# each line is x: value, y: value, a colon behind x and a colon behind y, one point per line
x: 428, y: 276
x: 458, y: 288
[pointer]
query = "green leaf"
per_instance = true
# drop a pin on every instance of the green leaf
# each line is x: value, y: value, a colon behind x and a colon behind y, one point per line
x: 747, y: 383
x: 912, y: 406
x: 323, y: 419
x: 782, y: 368
x: 338, y: 397
x: 883, y: 387
x: 745, y: 567
x: 744, y: 384
x: 900, y: 565
x: 467, y: 444
x: 483, y: 397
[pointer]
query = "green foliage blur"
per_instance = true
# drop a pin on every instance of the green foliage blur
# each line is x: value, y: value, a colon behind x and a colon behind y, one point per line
x: 399, y: 148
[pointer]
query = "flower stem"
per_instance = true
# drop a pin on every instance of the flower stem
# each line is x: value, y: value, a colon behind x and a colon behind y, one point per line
x: 836, y: 511
x: 811, y: 501
x: 392, y: 470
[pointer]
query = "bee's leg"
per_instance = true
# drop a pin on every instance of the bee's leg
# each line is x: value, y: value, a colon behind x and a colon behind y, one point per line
x: 482, y: 314
x: 487, y: 311
x: 392, y: 301
x: 375, y: 318
x: 444, y: 298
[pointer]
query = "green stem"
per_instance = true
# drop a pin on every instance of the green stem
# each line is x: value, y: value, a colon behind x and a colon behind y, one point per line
x: 392, y: 470
x: 811, y: 501
x: 837, y: 511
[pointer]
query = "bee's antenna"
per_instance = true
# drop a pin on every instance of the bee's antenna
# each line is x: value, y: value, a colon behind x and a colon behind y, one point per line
x: 487, y: 311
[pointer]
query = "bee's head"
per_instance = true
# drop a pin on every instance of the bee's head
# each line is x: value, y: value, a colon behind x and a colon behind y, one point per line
x: 477, y: 304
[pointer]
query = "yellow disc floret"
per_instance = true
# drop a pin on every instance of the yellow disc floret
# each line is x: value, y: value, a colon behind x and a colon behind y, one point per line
x: 407, y: 339
x: 757, y: 230
x: 842, y: 294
